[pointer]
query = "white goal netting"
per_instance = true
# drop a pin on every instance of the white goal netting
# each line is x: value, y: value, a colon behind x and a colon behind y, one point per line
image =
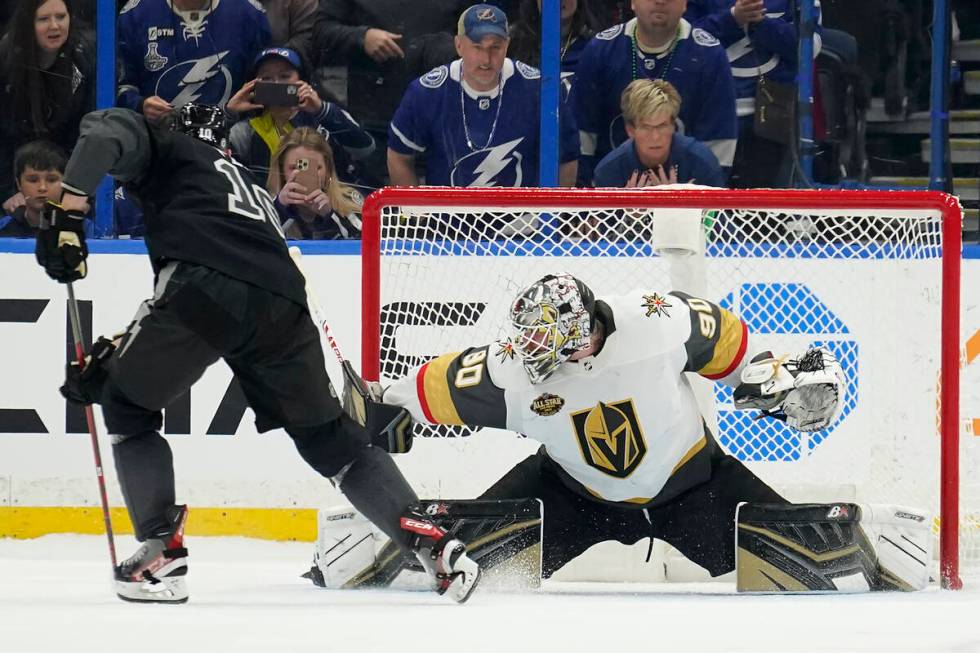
x: 864, y: 281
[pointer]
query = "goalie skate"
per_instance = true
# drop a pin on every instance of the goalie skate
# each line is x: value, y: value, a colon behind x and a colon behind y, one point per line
x: 157, y: 572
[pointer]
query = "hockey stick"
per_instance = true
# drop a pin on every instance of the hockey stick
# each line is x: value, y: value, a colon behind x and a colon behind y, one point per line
x: 392, y: 425
x: 315, y: 310
x: 76, y: 333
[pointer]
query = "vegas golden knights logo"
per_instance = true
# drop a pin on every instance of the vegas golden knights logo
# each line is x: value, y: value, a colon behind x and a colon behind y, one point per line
x: 610, y: 437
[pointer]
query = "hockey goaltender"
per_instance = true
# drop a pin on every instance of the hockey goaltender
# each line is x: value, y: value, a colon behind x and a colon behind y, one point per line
x: 626, y: 455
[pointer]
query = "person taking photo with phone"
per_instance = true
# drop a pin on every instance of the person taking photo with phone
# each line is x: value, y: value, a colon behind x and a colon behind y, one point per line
x: 312, y: 203
x: 277, y: 101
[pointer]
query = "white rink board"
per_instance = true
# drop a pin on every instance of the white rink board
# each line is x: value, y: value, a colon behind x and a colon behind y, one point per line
x: 248, y: 470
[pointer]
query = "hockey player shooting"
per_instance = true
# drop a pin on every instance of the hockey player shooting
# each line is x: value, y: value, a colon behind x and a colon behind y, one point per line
x: 226, y: 288
x: 626, y: 454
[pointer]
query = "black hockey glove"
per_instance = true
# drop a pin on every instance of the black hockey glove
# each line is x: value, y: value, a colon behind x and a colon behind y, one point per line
x: 84, y: 386
x: 60, y: 247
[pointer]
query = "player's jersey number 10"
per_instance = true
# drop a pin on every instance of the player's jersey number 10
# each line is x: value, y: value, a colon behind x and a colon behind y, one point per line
x: 251, y: 202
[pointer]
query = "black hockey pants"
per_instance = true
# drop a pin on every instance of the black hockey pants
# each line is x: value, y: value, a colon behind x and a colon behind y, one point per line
x: 700, y: 522
x: 197, y: 317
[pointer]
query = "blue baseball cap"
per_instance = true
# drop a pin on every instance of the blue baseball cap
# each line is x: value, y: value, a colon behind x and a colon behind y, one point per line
x: 283, y: 53
x: 483, y: 20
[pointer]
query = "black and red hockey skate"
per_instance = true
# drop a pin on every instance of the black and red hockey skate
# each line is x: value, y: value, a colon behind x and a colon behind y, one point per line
x: 157, y: 572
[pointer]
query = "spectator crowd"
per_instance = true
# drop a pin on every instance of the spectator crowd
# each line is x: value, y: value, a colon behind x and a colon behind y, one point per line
x: 329, y: 99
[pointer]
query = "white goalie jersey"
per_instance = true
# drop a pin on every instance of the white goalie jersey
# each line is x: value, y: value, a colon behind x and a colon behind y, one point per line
x: 622, y: 425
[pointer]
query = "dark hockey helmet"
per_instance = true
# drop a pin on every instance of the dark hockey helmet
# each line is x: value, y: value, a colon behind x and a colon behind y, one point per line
x: 550, y: 320
x: 205, y: 122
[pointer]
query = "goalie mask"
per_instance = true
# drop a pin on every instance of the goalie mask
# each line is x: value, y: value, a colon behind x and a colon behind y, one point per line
x: 551, y: 320
x: 204, y: 122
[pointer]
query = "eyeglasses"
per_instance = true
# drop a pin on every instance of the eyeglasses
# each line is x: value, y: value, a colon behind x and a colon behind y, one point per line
x: 647, y: 128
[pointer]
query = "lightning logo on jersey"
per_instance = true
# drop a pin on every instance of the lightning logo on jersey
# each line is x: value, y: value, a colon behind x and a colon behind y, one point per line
x: 498, y: 166
x: 477, y: 138
x: 204, y: 61
x: 186, y: 81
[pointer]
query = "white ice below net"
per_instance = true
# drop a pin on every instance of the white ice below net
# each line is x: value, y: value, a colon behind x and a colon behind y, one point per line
x: 247, y: 597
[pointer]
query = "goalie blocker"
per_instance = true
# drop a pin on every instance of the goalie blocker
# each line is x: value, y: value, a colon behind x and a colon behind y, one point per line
x: 838, y: 547
x: 391, y: 425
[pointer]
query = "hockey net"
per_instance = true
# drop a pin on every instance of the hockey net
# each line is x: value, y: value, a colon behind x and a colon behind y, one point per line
x: 873, y: 276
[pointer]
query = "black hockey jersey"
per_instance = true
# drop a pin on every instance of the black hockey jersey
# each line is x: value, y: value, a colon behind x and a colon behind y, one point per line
x: 199, y: 205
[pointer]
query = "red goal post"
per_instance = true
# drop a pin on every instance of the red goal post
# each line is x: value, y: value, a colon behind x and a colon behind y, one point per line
x: 472, y: 249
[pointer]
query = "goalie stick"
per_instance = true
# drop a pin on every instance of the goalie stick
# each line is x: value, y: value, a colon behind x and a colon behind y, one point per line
x: 390, y: 426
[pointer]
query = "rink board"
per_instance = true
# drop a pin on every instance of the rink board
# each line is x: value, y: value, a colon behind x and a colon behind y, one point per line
x: 243, y: 482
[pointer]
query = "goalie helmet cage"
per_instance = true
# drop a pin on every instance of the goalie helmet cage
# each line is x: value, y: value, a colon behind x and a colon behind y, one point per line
x: 872, y: 275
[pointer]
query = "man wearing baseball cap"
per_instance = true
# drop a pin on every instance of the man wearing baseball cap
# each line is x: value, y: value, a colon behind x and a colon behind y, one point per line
x: 259, y: 129
x: 476, y: 118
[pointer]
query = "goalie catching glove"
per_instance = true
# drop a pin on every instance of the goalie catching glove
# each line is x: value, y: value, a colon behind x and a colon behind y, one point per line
x: 390, y: 426
x: 807, y: 392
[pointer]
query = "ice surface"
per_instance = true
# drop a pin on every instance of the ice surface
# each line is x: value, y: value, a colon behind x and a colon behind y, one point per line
x: 246, y: 595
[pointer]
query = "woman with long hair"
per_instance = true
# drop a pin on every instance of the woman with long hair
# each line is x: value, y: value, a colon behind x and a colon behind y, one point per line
x: 312, y: 202
x: 47, y: 82
x: 525, y: 34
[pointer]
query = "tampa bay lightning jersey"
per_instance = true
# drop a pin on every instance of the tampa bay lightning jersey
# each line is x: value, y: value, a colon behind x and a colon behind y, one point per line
x: 767, y: 48
x: 696, y: 66
x: 439, y: 109
x: 185, y: 56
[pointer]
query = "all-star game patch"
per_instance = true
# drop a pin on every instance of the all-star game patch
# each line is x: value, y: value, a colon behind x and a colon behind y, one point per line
x: 547, y: 405
x: 656, y: 304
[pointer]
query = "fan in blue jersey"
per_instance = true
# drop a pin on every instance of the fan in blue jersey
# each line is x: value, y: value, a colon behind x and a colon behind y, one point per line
x: 175, y: 52
x: 655, y: 153
x: 657, y: 44
x: 761, y: 40
x: 477, y: 118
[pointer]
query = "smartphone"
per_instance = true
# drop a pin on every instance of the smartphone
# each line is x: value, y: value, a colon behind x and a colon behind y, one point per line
x: 306, y: 175
x: 271, y: 94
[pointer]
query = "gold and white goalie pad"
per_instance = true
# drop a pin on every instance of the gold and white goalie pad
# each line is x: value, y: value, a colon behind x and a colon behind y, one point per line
x: 502, y: 536
x: 837, y: 547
